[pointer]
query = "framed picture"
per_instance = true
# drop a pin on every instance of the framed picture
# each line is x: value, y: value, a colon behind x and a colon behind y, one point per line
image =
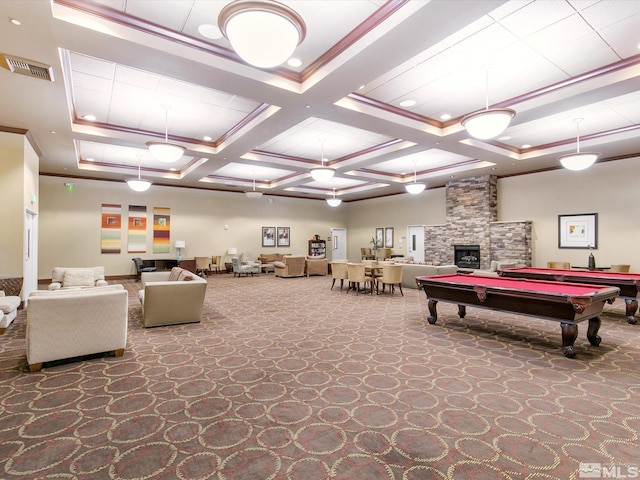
x: 268, y: 236
x: 380, y: 237
x: 283, y: 237
x: 578, y: 231
x: 388, y: 237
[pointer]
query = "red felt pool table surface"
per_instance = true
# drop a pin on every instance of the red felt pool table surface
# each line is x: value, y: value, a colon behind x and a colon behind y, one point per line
x: 539, y: 286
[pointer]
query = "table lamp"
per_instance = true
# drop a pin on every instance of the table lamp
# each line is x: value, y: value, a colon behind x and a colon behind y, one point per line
x: 180, y: 244
x: 233, y: 251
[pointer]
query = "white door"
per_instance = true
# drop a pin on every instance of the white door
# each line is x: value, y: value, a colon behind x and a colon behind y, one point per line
x: 338, y: 244
x: 30, y: 270
x: 415, y: 242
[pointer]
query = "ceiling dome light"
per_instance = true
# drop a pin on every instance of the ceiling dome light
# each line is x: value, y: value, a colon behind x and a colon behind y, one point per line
x: 165, y: 152
x: 490, y: 122
x: 579, y: 160
x: 415, y: 187
x: 334, y: 202
x: 253, y: 194
x: 322, y: 173
x: 264, y: 33
x: 137, y: 184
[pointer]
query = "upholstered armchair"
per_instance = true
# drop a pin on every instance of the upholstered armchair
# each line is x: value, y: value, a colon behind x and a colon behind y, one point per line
x: 339, y: 272
x: 239, y: 269
x: 392, y: 276
x: 216, y: 263
x: 290, y: 266
x: 8, y: 310
x: 316, y: 265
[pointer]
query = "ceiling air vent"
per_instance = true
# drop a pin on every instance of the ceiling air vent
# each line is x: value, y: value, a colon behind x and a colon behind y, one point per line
x: 29, y: 67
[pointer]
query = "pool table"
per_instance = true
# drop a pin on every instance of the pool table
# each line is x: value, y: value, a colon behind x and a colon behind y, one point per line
x: 628, y: 283
x: 567, y: 303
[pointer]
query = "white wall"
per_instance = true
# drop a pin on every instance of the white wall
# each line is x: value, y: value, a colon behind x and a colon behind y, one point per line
x: 70, y: 225
x: 608, y: 189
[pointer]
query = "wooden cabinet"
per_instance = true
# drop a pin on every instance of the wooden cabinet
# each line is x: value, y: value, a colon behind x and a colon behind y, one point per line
x: 317, y: 247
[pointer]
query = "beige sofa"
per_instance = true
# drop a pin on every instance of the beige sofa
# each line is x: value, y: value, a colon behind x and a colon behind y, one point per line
x: 412, y: 270
x: 290, y: 266
x: 171, y: 297
x: 495, y: 268
x: 270, y: 258
x: 65, y: 324
x: 74, y: 277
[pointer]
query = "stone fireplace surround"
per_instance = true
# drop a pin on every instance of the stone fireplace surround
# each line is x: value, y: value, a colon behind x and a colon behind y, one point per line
x: 472, y: 213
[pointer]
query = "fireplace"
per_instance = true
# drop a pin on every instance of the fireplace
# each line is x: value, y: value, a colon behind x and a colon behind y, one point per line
x: 467, y: 256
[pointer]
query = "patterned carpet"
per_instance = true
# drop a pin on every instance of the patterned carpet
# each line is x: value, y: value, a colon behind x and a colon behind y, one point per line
x: 286, y: 379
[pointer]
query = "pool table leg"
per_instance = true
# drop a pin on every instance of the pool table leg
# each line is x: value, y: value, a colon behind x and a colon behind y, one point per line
x: 462, y: 311
x: 433, y: 317
x: 592, y: 331
x: 632, y: 306
x: 569, y: 335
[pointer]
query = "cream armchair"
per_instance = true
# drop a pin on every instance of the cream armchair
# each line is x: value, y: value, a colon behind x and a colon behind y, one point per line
x: 8, y: 310
x: 66, y: 324
x: 316, y: 266
x: 290, y: 266
x: 67, y: 277
x: 171, y: 297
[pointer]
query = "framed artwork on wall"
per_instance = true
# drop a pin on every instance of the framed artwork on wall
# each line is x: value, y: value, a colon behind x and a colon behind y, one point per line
x: 578, y: 231
x: 284, y: 239
x: 379, y: 237
x: 388, y: 237
x: 268, y: 236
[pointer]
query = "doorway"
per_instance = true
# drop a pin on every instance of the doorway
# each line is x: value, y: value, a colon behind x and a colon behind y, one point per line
x: 30, y: 270
x: 415, y: 242
x: 338, y: 244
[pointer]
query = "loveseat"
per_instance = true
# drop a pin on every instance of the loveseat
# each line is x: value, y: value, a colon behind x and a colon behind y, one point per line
x: 270, y: 258
x: 494, y: 268
x: 74, y: 277
x: 65, y: 324
x: 290, y: 266
x: 171, y: 297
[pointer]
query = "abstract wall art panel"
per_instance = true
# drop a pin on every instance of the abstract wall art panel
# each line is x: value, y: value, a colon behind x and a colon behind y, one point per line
x: 110, y: 238
x: 137, y: 235
x: 161, y: 230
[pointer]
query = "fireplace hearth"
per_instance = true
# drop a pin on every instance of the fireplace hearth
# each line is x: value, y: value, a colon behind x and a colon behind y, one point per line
x: 467, y: 256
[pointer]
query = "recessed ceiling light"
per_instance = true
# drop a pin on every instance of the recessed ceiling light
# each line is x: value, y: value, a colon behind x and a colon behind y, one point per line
x: 207, y: 138
x: 210, y: 31
x: 526, y: 145
x: 15, y: 21
x: 506, y: 137
x: 294, y: 62
x: 173, y: 169
x: 362, y: 86
x: 90, y: 159
x: 89, y: 118
x: 407, y: 103
x: 445, y: 116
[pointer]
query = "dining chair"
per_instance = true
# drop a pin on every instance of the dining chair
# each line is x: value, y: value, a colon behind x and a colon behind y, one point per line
x: 339, y: 272
x: 392, y: 276
x: 357, y: 276
x: 202, y: 265
x: 619, y: 267
x: 559, y: 265
x: 216, y: 264
x: 366, y: 254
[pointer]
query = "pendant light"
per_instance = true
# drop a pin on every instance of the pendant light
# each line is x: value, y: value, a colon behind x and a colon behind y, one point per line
x: 164, y: 151
x: 490, y: 122
x: 334, y: 202
x: 137, y: 184
x: 579, y: 160
x: 322, y: 173
x: 264, y: 33
x: 253, y: 194
x: 415, y: 187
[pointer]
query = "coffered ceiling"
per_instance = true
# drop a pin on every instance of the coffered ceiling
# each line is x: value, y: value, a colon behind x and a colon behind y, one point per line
x: 380, y: 91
